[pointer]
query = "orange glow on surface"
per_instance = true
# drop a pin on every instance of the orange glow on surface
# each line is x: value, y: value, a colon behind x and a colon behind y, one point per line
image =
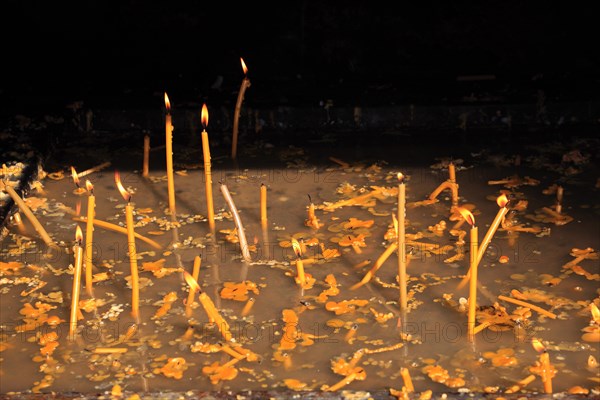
x: 502, y: 200
x: 167, y: 103
x: 244, y: 66
x: 75, y: 176
x: 204, y: 116
x: 466, y: 214
x: 126, y: 195
x: 537, y: 345
x: 78, y: 235
x: 89, y: 186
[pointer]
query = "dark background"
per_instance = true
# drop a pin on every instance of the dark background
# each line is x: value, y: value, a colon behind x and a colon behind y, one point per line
x: 127, y: 53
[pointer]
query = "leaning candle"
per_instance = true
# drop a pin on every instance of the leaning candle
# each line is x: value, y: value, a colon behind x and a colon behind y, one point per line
x: 546, y: 370
x: 169, y: 147
x: 89, y: 232
x: 78, y: 250
x: 207, y: 171
x: 473, y: 268
x: 192, y: 294
x: 238, y: 223
x: 502, y: 202
x: 238, y: 107
x: 402, y: 242
x: 135, y: 287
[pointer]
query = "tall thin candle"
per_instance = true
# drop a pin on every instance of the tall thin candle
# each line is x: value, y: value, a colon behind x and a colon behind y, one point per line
x: 238, y: 106
x: 169, y: 147
x: 89, y: 241
x: 78, y: 251
x: 146, y: 160
x: 263, y: 205
x: 402, y: 242
x: 473, y: 268
x: 135, y: 286
x: 207, y: 170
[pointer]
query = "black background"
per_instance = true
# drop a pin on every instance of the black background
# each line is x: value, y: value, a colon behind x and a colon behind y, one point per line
x: 131, y: 51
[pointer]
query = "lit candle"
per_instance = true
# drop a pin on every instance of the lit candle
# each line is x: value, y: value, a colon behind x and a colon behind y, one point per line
x: 135, y: 286
x: 263, y: 205
x: 78, y: 250
x: 145, y: 166
x: 402, y: 242
x: 169, y: 147
x: 502, y: 202
x: 301, y: 277
x: 79, y: 190
x: 473, y: 268
x: 207, y: 170
x: 209, y: 307
x: 192, y: 294
x: 238, y: 107
x: 89, y: 233
x: 547, y: 371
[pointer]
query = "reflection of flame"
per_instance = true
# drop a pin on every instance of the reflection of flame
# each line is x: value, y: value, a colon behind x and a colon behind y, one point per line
x: 74, y: 175
x: 595, y: 313
x: 244, y: 66
x: 78, y: 207
x: 78, y: 235
x: 167, y: 102
x: 537, y: 345
x: 89, y: 186
x: 400, y: 177
x: 191, y: 281
x: 126, y: 195
x: 296, y: 246
x: 466, y: 214
x: 204, y: 116
x: 502, y: 200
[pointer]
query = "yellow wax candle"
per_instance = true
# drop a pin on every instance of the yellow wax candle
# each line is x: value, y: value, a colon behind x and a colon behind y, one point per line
x: 78, y: 250
x: 547, y: 370
x: 135, y: 286
x: 502, y: 202
x: 192, y: 294
x: 473, y: 269
x: 451, y: 172
x: 299, y: 264
x: 89, y: 233
x: 402, y: 243
x: 145, y: 164
x: 263, y: 205
x: 238, y: 106
x: 207, y: 170
x: 169, y: 147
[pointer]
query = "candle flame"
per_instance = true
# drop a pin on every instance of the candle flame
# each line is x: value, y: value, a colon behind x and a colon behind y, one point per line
x: 296, y: 246
x: 126, y: 195
x: 537, y: 345
x: 78, y: 235
x: 75, y: 176
x: 167, y: 103
x: 595, y: 313
x: 191, y: 281
x: 466, y: 214
x: 244, y: 66
x: 89, y: 186
x: 400, y: 177
x: 592, y: 362
x: 502, y: 200
x: 204, y: 116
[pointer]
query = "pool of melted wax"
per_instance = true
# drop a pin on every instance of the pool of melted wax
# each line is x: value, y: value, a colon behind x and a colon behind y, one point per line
x: 300, y: 338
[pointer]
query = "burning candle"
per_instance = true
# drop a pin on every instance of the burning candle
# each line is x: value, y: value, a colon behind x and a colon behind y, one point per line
x: 238, y: 107
x: 238, y: 223
x: 207, y: 170
x: 135, y: 286
x: 547, y: 370
x: 301, y: 277
x: 89, y: 233
x: 209, y: 307
x: 473, y: 268
x: 402, y: 242
x: 78, y: 251
x: 79, y: 190
x: 502, y: 202
x: 145, y: 166
x: 263, y: 205
x: 169, y: 147
x: 192, y: 294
